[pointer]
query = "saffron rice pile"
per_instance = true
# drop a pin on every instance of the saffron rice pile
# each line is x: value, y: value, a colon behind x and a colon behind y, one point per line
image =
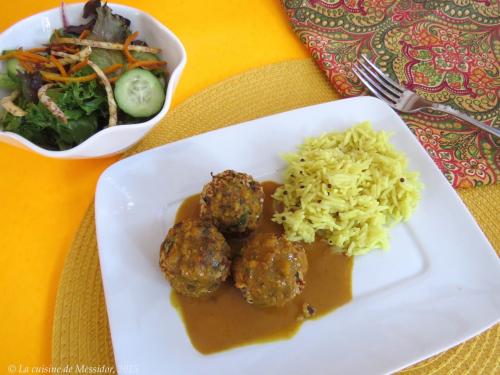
x: 347, y: 188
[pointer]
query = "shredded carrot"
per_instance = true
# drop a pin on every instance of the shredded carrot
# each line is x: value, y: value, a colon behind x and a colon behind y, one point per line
x: 29, y: 55
x: 25, y: 58
x: 75, y: 68
x: 64, y: 47
x: 70, y: 49
x: 48, y: 76
x: 114, y: 79
x: 35, y: 50
x: 146, y: 63
x: 8, y: 55
x: 23, y: 55
x: 85, y: 33
x: 112, y: 68
x: 129, y: 40
x: 56, y: 47
x: 27, y: 66
x: 35, y: 56
x: 53, y: 46
x: 58, y: 65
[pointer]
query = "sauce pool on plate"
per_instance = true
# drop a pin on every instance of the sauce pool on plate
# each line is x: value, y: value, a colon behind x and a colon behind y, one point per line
x: 225, y: 320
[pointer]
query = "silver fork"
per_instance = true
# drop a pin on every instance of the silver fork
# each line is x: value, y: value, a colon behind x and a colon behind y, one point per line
x: 402, y: 99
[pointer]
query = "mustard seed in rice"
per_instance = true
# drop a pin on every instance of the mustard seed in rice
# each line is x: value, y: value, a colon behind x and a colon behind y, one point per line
x: 348, y: 188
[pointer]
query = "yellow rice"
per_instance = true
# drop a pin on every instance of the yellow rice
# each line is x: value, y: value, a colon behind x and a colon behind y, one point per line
x: 348, y: 188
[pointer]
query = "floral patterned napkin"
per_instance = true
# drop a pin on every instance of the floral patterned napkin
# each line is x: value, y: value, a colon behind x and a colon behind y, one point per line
x: 446, y: 51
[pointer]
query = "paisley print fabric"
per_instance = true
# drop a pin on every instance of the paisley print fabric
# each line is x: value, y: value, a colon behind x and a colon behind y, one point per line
x: 446, y: 51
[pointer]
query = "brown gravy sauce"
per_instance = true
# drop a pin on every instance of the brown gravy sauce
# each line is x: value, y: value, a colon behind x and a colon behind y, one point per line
x: 226, y: 321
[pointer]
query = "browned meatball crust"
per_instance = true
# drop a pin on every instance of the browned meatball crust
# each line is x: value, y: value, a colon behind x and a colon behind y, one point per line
x: 195, y: 258
x: 270, y: 270
x: 233, y: 201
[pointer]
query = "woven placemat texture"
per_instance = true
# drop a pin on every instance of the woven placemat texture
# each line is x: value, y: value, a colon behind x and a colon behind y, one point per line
x: 81, y: 331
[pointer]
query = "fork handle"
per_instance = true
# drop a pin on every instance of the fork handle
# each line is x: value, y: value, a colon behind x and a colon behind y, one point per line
x: 463, y: 116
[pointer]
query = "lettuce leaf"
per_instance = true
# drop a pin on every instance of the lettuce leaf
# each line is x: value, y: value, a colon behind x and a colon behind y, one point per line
x: 76, y: 30
x: 84, y: 104
x: 89, y: 9
x: 7, y: 83
x: 110, y: 27
x: 105, y: 57
x: 30, y: 84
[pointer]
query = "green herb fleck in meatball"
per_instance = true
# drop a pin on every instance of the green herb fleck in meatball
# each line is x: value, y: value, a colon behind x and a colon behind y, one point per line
x: 233, y: 201
x: 195, y: 258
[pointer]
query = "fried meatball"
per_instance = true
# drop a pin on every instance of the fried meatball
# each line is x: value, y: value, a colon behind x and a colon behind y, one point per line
x: 270, y: 270
x: 195, y: 258
x: 233, y: 201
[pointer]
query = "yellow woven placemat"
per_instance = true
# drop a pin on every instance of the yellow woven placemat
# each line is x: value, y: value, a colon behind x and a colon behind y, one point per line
x: 81, y: 332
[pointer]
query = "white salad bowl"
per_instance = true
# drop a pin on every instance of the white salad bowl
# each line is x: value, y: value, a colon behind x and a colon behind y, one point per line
x: 36, y: 30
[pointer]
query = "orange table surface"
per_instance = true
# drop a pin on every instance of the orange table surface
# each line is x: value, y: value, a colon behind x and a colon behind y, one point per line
x: 43, y: 200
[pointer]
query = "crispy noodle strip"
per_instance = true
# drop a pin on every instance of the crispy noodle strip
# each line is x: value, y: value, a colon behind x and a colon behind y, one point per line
x: 104, y: 45
x: 8, y: 104
x: 50, y: 104
x: 68, y: 59
x: 113, y: 117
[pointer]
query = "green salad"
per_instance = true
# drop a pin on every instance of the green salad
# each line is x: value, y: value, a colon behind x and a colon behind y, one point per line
x: 85, y: 78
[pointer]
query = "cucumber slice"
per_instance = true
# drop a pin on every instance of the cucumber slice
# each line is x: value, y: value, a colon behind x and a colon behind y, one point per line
x: 139, y: 93
x: 13, y: 67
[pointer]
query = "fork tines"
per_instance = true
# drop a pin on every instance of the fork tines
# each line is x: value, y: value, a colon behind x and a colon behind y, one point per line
x: 377, y: 81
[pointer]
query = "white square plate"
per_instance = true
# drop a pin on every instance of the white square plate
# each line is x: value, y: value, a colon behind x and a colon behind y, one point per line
x: 437, y: 286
